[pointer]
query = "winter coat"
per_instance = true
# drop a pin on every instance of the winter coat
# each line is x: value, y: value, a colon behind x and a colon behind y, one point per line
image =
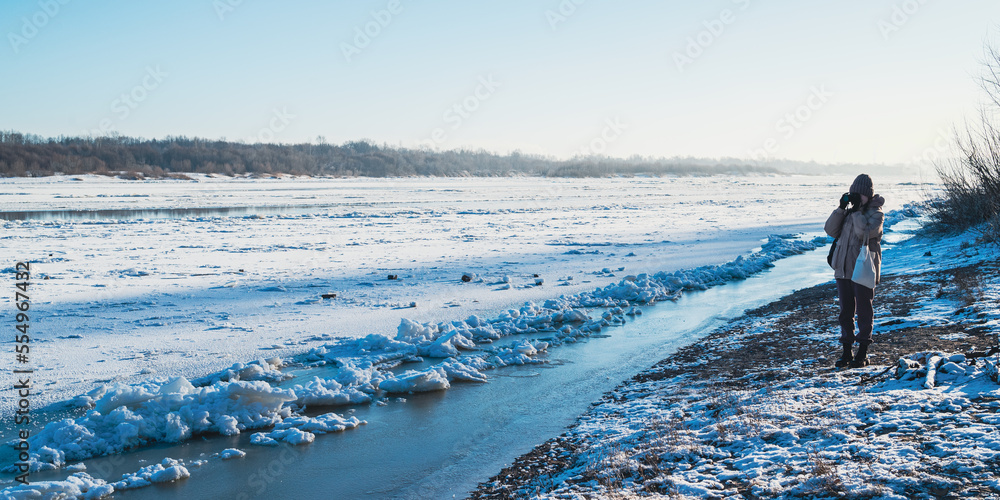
x: 851, y: 228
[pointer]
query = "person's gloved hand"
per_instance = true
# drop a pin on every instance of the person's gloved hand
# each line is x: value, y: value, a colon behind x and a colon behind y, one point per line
x: 844, y: 200
x: 855, y: 199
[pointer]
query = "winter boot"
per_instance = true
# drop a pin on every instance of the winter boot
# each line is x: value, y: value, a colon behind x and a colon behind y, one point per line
x: 846, y: 358
x: 861, y: 358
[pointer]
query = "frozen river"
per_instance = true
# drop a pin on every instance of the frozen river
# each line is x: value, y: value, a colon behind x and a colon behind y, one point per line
x: 132, y: 300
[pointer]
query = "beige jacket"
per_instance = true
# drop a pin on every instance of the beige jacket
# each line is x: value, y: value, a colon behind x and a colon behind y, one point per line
x: 852, y: 228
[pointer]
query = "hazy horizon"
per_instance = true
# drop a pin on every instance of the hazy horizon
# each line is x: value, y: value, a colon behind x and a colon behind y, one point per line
x: 847, y: 82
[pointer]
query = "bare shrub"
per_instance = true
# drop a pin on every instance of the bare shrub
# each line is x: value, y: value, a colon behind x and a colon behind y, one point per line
x: 972, y: 181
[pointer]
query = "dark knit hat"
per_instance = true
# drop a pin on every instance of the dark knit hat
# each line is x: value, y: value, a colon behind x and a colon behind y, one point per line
x: 863, y: 185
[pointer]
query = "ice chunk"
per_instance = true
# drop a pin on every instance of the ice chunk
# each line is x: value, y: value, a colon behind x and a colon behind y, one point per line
x: 176, y: 385
x: 377, y: 342
x: 166, y: 471
x: 123, y: 396
x: 268, y: 370
x: 411, y: 331
x: 328, y: 392
x: 432, y: 379
x: 172, y: 473
x: 140, y: 415
x: 446, y: 346
x: 77, y: 485
x: 461, y: 371
x: 231, y: 453
x: 325, y: 423
x: 262, y: 439
x: 293, y: 436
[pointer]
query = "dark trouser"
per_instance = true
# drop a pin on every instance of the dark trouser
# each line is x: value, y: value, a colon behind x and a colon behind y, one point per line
x: 855, y: 298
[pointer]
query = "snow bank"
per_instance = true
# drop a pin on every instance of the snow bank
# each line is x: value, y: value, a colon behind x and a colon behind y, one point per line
x: 82, y: 486
x: 911, y: 210
x: 569, y: 316
x: 244, y: 397
x: 78, y: 485
x: 125, y: 417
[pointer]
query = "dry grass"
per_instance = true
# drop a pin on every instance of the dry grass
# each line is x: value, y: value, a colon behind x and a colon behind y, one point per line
x: 824, y: 478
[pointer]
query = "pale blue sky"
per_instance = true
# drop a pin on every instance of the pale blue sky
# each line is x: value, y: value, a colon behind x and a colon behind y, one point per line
x: 277, y: 71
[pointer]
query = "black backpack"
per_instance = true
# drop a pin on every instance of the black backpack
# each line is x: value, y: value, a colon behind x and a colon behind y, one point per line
x: 829, y: 257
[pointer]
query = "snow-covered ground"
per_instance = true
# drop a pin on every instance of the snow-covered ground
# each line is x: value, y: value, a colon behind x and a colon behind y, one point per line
x: 142, y: 320
x: 775, y: 423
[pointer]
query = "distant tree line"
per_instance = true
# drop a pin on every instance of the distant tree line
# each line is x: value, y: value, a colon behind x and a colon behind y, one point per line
x: 32, y: 155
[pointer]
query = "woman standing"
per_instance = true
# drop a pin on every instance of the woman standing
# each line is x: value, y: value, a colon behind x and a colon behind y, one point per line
x: 861, y: 224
